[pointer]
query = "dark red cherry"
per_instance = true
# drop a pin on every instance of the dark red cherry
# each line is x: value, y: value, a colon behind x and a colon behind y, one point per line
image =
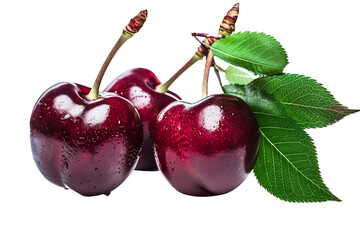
x: 206, y: 148
x: 90, y: 146
x: 86, y: 140
x: 138, y: 85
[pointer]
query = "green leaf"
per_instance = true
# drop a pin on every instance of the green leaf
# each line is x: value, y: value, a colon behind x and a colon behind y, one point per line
x: 256, y: 52
x: 238, y: 76
x: 287, y: 165
x: 305, y: 100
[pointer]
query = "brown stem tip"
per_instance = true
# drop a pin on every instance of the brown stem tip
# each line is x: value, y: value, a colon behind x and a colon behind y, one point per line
x: 227, y: 27
x: 136, y: 23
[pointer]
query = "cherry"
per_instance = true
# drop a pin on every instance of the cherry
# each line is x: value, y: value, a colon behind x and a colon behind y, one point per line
x: 90, y: 146
x: 139, y: 86
x: 206, y: 148
x: 86, y: 140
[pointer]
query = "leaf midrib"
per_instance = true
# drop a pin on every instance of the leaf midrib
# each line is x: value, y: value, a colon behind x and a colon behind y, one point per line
x: 240, y: 75
x: 313, y: 107
x: 245, y: 60
x: 262, y: 133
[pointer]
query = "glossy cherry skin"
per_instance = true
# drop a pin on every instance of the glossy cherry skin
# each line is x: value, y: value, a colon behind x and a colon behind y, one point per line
x: 90, y: 146
x: 206, y: 148
x: 138, y: 86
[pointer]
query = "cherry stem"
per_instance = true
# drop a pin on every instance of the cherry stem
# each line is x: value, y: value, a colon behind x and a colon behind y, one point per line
x: 162, y: 88
x: 133, y: 27
x: 94, y: 93
x: 227, y: 27
x: 216, y: 70
x: 208, y: 64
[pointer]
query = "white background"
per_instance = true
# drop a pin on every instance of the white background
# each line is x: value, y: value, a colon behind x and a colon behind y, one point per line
x: 45, y: 42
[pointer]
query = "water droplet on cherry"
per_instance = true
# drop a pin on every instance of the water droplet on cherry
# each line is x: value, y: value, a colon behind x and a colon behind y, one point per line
x: 65, y: 117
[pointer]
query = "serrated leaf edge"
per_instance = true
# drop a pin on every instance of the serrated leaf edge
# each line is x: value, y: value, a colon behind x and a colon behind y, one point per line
x: 297, y: 170
x: 255, y: 63
x: 345, y: 110
x: 334, y: 198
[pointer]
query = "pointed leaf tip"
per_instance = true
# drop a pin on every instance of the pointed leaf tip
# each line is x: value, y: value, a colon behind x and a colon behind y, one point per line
x: 306, y: 100
x: 287, y: 165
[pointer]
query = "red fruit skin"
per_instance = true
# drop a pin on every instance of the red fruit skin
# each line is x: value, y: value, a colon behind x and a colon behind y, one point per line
x: 206, y: 148
x: 138, y: 86
x: 90, y: 146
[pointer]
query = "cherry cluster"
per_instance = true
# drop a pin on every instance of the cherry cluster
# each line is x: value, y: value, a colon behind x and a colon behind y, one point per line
x: 91, y: 141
